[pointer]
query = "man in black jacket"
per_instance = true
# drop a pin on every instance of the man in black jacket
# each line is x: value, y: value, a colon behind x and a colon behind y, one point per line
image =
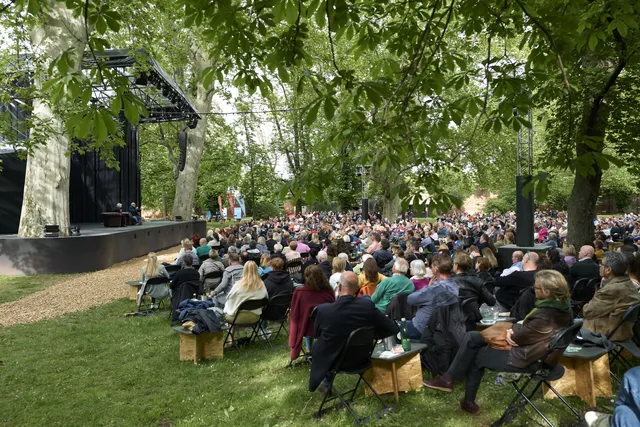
x: 383, y: 256
x: 586, y: 267
x: 511, y: 285
x: 471, y: 290
x: 335, y: 321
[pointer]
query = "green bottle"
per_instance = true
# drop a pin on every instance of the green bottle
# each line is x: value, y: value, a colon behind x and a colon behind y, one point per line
x: 406, y: 342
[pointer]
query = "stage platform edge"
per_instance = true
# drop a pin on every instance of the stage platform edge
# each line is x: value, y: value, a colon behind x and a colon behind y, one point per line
x: 97, y: 248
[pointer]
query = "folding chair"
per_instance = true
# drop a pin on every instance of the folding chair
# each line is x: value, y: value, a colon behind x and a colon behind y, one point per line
x: 354, y: 359
x: 203, y: 258
x: 542, y: 374
x: 582, y: 293
x: 294, y: 265
x: 161, y: 282
x: 277, y: 303
x: 212, y: 275
x: 172, y: 269
x: 246, y: 306
x: 630, y: 315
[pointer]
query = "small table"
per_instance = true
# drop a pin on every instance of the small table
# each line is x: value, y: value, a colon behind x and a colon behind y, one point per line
x: 134, y: 288
x: 402, y: 372
x: 586, y: 374
x: 207, y: 345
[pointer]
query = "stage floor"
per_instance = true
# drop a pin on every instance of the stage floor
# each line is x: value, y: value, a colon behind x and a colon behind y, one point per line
x: 98, y: 229
x: 96, y: 248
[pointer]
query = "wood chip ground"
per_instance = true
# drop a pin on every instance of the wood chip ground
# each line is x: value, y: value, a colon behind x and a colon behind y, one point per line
x: 79, y: 293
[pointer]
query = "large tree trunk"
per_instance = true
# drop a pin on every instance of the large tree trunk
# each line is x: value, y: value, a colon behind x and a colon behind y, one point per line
x: 46, y: 186
x: 187, y: 180
x: 581, y: 211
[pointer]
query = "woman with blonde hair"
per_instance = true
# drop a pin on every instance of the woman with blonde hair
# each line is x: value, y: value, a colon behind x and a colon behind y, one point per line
x: 527, y: 342
x: 488, y: 254
x: 249, y: 287
x: 153, y: 268
x: 338, y: 266
x: 265, y: 266
x: 569, y: 254
x: 509, y: 238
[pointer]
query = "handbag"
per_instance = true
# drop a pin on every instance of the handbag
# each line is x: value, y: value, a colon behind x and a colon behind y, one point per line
x: 496, y: 335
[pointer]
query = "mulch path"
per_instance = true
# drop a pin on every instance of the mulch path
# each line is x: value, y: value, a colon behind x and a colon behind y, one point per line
x: 79, y: 293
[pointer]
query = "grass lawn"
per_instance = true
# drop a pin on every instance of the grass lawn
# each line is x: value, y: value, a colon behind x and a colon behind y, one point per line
x: 13, y: 288
x: 100, y: 368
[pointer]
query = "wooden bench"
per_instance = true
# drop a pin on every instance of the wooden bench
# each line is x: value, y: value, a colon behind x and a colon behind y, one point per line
x: 586, y: 375
x: 204, y: 346
x: 134, y: 288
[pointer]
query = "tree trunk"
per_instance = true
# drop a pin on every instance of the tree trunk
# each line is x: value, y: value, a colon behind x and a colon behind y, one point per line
x: 391, y: 206
x: 581, y: 211
x: 187, y: 180
x: 46, y: 186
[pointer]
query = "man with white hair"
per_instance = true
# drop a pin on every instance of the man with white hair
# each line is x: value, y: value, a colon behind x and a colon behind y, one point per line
x: 324, y: 264
x: 396, y: 284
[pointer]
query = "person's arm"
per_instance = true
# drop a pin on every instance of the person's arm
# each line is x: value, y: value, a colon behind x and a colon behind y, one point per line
x: 226, y: 276
x: 378, y: 293
x: 601, y: 304
x: 318, y: 323
x: 142, y: 272
x: 163, y: 271
x: 178, y: 260
x: 531, y: 331
x: 487, y: 296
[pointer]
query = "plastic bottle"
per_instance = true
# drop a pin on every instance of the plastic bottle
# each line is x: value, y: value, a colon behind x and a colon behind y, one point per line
x: 406, y: 342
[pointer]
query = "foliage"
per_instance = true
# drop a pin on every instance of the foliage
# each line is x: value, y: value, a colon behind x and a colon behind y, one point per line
x: 619, y: 183
x: 504, y: 203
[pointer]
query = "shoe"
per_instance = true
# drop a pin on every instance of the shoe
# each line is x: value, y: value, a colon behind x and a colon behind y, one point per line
x: 324, y: 390
x: 469, y: 406
x: 440, y: 382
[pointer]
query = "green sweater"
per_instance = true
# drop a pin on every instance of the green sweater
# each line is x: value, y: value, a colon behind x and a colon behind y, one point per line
x: 389, y: 288
x: 203, y: 250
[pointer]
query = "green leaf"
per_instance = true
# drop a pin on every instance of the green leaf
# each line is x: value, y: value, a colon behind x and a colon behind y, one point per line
x: 329, y: 108
x: 312, y: 113
x: 82, y: 128
x: 101, y: 25
x: 593, y: 42
x: 116, y: 105
x: 99, y: 127
x: 291, y: 11
x: 131, y: 112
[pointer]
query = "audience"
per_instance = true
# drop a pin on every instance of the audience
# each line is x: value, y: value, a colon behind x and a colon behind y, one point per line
x: 370, y: 277
x: 210, y: 265
x: 334, y: 322
x: 338, y: 266
x: 187, y: 252
x: 585, y: 267
x: 153, y: 268
x: 615, y: 295
x: 186, y: 274
x: 528, y: 342
x: 383, y: 256
x: 511, y: 285
x: 316, y: 290
x: 472, y: 292
x: 249, y: 287
x: 516, y: 259
x: 441, y: 292
x: 392, y: 286
x: 231, y: 275
x: 418, y: 274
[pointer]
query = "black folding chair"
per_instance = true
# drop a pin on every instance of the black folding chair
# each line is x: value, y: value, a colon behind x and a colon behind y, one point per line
x: 172, y: 269
x: 245, y: 306
x: 143, y: 307
x: 279, y: 303
x: 541, y: 373
x: 203, y: 258
x: 582, y: 292
x: 630, y: 315
x: 354, y: 359
x: 294, y: 265
x: 212, y: 275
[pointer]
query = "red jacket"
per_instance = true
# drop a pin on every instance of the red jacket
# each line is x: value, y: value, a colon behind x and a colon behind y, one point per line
x: 303, y: 302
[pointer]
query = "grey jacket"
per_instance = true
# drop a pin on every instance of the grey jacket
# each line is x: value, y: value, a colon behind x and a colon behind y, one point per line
x: 231, y: 275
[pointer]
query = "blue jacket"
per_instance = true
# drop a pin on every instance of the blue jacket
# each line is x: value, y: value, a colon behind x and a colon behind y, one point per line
x: 441, y: 293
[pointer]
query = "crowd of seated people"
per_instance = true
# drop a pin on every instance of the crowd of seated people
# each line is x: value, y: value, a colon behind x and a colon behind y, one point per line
x: 325, y: 257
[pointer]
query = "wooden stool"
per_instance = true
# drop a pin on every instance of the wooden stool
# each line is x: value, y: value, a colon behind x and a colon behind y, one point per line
x: 134, y: 288
x: 207, y: 345
x: 585, y: 378
x: 400, y: 373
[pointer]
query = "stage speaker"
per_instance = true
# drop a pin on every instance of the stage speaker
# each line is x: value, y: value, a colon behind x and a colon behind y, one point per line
x: 365, y: 209
x: 524, y: 213
x: 182, y: 145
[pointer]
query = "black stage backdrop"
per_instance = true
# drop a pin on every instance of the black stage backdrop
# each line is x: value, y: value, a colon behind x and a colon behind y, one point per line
x: 94, y: 188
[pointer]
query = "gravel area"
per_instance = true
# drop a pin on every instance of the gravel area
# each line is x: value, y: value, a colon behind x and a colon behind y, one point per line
x: 79, y: 293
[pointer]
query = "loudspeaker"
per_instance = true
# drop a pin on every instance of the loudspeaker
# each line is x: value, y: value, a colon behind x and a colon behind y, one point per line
x: 524, y: 213
x: 365, y: 209
x: 182, y: 145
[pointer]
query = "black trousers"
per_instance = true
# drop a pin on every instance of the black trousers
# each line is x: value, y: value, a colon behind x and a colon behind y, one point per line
x: 473, y: 357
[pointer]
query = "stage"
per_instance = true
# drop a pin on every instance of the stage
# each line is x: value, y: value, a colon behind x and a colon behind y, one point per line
x: 97, y: 247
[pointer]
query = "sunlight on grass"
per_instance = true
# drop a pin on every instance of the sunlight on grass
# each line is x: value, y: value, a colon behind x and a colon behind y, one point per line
x: 100, y: 368
x: 13, y: 288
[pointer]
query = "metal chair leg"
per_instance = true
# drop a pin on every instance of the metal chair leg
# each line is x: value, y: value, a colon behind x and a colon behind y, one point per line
x: 567, y: 404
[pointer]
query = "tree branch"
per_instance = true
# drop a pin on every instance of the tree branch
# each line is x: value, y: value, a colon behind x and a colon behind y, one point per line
x: 333, y: 52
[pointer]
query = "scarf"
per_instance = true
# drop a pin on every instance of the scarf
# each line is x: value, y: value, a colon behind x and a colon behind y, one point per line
x: 550, y: 303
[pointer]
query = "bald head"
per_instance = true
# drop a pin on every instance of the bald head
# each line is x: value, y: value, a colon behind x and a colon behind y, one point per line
x: 516, y: 256
x: 530, y: 261
x: 586, y: 252
x: 348, y: 284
